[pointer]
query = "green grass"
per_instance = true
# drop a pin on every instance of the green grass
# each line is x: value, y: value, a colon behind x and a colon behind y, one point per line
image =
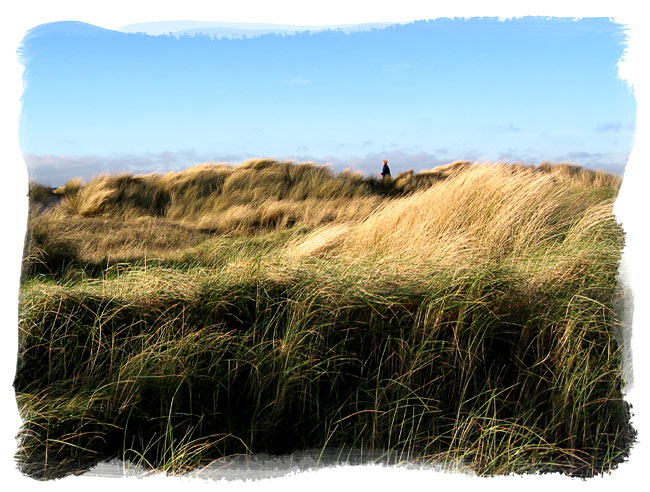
x: 500, y: 359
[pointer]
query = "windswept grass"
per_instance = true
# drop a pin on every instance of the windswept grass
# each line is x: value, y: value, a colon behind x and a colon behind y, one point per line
x: 462, y: 316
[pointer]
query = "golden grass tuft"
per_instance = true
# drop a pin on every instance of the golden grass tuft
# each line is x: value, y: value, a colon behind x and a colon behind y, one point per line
x: 320, y: 241
x: 480, y: 213
x: 71, y: 187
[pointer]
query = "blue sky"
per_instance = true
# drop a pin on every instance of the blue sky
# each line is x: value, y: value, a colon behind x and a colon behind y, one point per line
x: 418, y: 94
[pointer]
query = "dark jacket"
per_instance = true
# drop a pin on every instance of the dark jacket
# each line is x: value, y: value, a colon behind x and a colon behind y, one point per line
x: 385, y: 171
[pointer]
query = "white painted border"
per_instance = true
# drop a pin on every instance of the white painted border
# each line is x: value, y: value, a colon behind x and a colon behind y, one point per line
x: 632, y: 208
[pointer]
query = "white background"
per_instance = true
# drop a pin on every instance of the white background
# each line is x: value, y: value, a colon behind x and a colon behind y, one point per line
x: 632, y: 209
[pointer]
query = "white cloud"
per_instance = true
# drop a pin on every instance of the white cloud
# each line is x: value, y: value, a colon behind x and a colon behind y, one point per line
x: 398, y: 160
x: 611, y: 127
x: 614, y: 163
x: 55, y: 170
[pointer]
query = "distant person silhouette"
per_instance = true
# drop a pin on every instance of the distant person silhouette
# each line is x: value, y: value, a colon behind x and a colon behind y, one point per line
x: 385, y: 172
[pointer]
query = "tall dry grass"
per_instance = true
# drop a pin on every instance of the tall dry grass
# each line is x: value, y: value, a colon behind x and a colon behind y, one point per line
x: 485, y: 214
x: 208, y: 189
x: 126, y: 217
x: 465, y: 317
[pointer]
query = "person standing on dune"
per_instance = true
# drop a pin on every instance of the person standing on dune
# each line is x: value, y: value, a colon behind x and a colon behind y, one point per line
x: 385, y: 172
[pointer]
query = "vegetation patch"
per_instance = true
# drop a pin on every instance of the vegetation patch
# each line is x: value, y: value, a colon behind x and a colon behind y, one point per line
x: 462, y: 316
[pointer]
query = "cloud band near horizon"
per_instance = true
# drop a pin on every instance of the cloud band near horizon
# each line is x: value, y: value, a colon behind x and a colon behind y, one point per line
x: 53, y: 170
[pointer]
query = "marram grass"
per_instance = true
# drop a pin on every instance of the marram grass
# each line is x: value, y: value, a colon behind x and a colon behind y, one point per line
x: 465, y: 319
